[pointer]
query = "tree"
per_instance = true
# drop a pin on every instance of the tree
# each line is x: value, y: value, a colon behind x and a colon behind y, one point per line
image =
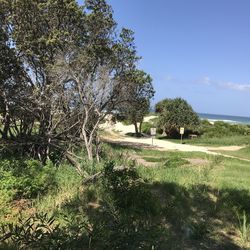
x: 67, y: 68
x: 137, y: 97
x: 13, y: 81
x: 176, y: 113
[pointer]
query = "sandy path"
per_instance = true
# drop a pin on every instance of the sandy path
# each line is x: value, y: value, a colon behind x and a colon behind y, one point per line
x: 162, y: 144
x: 120, y: 130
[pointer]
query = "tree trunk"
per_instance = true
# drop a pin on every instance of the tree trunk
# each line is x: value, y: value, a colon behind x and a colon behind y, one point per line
x: 140, y: 127
x: 89, y: 148
x: 87, y: 143
x: 97, y: 148
x: 6, y: 126
x: 6, y: 118
x: 136, y: 129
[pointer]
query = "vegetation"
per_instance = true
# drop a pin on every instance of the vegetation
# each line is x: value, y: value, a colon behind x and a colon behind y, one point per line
x: 184, y: 202
x: 222, y: 129
x: 176, y: 113
x: 243, y: 153
x: 138, y: 100
x: 219, y: 134
x: 63, y: 69
x: 65, y: 74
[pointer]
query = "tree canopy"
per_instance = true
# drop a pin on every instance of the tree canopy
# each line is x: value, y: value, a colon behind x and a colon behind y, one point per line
x: 63, y: 68
x: 137, y: 97
x: 176, y: 113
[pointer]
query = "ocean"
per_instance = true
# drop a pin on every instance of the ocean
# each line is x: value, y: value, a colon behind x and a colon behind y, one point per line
x: 225, y: 118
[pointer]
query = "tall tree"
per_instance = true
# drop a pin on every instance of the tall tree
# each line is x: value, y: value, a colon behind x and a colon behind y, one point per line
x: 71, y: 70
x: 49, y: 26
x: 13, y: 81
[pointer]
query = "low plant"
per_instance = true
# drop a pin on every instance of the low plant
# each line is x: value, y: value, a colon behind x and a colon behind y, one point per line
x: 26, y: 178
x: 42, y: 232
x: 243, y: 226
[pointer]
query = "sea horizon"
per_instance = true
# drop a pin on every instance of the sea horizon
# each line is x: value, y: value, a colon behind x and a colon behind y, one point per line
x: 225, y: 118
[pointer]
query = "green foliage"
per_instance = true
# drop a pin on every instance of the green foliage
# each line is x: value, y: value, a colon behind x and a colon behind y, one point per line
x: 221, y: 129
x: 26, y: 178
x: 137, y: 96
x: 161, y: 105
x: 176, y: 113
x: 146, y: 126
x: 159, y: 207
x: 127, y: 218
x: 127, y: 191
x: 42, y: 232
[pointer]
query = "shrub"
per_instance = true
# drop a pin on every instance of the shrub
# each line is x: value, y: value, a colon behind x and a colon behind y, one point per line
x: 221, y: 129
x: 36, y: 232
x: 26, y: 178
x: 127, y: 216
x: 146, y: 126
x: 176, y: 113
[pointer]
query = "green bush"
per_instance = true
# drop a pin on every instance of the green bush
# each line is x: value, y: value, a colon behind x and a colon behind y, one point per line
x: 128, y: 190
x: 26, y: 178
x: 127, y: 216
x: 176, y: 113
x: 222, y: 129
x: 146, y: 126
x: 36, y: 232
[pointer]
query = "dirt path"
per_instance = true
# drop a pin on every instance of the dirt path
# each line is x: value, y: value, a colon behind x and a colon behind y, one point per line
x: 120, y: 130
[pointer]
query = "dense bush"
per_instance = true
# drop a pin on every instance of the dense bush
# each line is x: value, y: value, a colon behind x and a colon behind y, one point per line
x: 25, y: 178
x: 222, y: 129
x: 118, y: 212
x: 127, y: 218
x: 146, y: 126
x: 176, y: 113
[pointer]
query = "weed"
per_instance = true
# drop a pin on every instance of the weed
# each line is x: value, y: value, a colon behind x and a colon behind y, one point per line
x: 243, y: 226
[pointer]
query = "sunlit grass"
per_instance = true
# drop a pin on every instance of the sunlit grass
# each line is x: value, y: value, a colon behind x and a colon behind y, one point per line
x: 216, y: 141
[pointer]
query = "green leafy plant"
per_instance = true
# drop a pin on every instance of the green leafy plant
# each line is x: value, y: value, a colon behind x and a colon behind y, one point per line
x: 26, y: 178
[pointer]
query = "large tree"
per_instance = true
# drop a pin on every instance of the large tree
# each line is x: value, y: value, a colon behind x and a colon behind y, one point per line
x: 68, y: 69
x: 176, y: 113
x: 13, y: 81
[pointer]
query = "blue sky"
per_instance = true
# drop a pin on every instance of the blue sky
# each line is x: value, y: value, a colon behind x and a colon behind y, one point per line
x: 195, y: 49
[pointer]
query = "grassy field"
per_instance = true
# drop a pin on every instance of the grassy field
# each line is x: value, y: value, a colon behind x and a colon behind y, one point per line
x: 212, y: 191
x: 178, y: 200
x: 238, y: 140
x: 243, y: 153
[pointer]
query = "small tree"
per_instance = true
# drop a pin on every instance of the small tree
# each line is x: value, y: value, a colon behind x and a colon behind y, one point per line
x: 138, y: 93
x: 176, y: 113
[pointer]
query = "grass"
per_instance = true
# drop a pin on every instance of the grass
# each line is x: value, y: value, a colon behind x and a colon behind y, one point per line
x: 219, y: 141
x: 243, y: 153
x: 224, y: 172
x: 195, y: 202
x: 213, y: 190
x: 68, y: 181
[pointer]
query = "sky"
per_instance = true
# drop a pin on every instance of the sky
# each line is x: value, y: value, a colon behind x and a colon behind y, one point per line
x: 195, y: 49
